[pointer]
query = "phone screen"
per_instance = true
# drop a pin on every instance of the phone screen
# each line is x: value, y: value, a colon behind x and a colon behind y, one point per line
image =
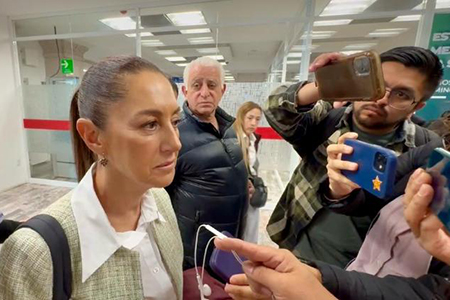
x: 224, y: 263
x: 439, y: 169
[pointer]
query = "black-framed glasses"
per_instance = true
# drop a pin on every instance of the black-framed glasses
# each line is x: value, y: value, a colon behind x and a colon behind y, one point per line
x: 400, y: 99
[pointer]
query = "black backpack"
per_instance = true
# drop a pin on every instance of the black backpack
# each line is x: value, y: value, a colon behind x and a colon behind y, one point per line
x: 53, y: 234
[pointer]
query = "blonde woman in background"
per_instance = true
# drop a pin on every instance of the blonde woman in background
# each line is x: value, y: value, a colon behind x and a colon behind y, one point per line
x: 247, y: 120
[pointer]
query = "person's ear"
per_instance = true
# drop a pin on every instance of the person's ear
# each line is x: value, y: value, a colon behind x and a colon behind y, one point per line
x: 91, y: 136
x: 224, y: 88
x: 184, y: 90
x: 420, y: 105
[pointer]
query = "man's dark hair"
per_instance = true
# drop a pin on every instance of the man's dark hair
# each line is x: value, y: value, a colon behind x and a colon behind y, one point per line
x: 425, y: 61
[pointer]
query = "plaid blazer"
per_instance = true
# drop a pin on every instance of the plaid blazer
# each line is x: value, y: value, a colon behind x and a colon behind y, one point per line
x: 26, y: 265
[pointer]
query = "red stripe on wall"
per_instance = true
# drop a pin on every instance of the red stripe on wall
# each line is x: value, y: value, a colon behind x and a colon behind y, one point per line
x: 267, y: 133
x: 37, y: 124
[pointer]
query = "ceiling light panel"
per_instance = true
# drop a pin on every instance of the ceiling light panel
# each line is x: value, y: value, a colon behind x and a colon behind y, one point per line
x: 442, y: 4
x: 346, y: 7
x: 294, y: 54
x: 388, y: 32
x: 182, y: 64
x: 143, y: 34
x: 187, y: 18
x: 201, y: 40
x: 301, y: 48
x: 407, y: 18
x: 364, y: 46
x: 175, y: 58
x: 332, y: 22
x: 216, y: 57
x: 151, y: 43
x: 208, y: 50
x: 166, y: 52
x: 122, y: 23
x: 320, y: 34
x: 194, y: 31
x: 439, y: 4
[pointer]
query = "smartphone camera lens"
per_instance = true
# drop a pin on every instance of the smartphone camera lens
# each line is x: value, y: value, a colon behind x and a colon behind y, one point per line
x: 361, y: 66
x: 380, y: 162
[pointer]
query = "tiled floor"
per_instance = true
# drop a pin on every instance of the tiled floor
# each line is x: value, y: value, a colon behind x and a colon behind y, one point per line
x: 22, y: 202
x: 27, y: 200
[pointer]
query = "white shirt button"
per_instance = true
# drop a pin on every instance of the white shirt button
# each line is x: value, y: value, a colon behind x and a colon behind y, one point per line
x: 155, y: 270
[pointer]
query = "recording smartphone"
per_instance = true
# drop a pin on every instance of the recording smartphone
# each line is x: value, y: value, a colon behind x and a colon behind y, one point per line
x: 439, y: 169
x: 357, y: 77
x: 224, y: 264
x: 376, y: 168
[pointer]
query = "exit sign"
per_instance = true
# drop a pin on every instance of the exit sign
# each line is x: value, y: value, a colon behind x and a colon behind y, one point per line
x: 67, y: 66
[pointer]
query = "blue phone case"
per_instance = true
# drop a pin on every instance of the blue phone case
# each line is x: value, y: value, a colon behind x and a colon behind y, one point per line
x: 439, y: 169
x: 377, y: 180
x: 224, y: 264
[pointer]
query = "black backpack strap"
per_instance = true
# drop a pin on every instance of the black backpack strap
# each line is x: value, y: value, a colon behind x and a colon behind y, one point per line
x: 7, y: 227
x: 53, y: 234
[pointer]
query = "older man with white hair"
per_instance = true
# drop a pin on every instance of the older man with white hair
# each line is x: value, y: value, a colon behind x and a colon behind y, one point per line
x: 210, y: 184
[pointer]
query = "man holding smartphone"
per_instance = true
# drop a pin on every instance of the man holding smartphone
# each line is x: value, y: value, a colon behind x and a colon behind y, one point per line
x: 299, y: 222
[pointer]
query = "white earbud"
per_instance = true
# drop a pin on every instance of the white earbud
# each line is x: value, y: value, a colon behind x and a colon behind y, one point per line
x: 206, y: 290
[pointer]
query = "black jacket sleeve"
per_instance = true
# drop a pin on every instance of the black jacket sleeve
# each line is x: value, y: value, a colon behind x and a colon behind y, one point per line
x: 351, y: 285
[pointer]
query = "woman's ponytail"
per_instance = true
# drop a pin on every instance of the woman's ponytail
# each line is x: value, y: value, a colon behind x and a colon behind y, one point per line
x: 84, y: 157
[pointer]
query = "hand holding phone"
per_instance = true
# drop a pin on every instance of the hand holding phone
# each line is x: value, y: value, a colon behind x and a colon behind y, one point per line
x: 421, y: 196
x: 376, y: 168
x: 439, y: 169
x: 225, y: 264
x: 357, y: 77
x: 339, y: 185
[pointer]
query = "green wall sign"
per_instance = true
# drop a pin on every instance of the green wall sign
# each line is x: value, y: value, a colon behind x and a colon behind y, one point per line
x: 440, y: 45
x: 67, y: 66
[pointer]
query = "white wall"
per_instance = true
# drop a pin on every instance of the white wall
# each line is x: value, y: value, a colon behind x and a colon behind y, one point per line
x: 13, y: 164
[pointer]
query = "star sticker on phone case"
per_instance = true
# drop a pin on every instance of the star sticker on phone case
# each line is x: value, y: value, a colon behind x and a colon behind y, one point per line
x: 377, y: 184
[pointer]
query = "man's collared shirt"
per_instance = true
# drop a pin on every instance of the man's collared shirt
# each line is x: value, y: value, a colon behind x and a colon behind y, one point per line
x: 99, y: 241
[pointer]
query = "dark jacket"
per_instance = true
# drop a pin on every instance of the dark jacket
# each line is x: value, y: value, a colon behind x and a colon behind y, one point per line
x: 210, y: 184
x: 360, y: 286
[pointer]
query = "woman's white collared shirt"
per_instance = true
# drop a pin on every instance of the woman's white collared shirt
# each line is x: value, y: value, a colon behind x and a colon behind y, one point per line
x: 99, y: 241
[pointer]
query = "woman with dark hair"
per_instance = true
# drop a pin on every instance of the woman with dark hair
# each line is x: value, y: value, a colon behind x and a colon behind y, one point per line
x: 247, y: 120
x: 122, y: 233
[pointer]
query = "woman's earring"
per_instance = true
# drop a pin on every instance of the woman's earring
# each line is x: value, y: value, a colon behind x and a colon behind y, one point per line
x: 104, y: 161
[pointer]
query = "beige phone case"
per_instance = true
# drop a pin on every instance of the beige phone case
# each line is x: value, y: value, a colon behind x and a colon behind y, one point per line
x: 358, y: 77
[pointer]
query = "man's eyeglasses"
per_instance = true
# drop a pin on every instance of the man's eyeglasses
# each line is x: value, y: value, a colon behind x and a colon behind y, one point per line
x: 400, y: 99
